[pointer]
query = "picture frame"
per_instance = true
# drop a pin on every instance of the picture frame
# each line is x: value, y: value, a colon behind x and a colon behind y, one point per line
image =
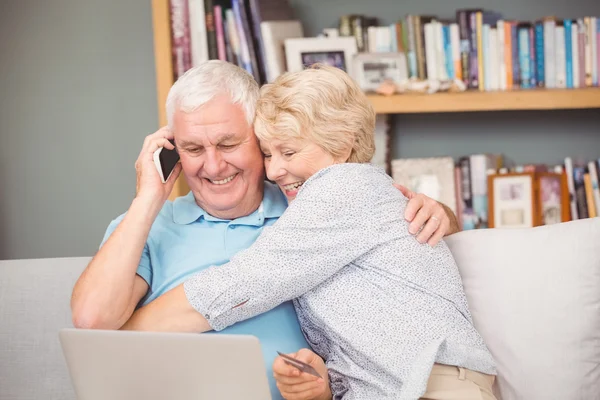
x: 512, y: 200
x: 553, y: 203
x: 371, y: 70
x: 335, y: 51
x: 432, y: 176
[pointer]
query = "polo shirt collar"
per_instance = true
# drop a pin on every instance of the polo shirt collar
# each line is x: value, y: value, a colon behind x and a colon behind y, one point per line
x: 186, y: 210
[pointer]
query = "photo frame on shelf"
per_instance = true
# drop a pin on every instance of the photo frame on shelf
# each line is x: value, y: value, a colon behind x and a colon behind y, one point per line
x: 553, y: 200
x: 512, y: 200
x: 432, y: 176
x: 370, y: 70
x: 303, y: 52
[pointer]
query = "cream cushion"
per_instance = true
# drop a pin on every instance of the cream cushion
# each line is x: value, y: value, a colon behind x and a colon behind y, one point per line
x: 534, y: 295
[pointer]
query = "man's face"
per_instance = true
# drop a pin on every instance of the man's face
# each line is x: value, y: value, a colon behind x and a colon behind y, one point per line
x: 221, y: 159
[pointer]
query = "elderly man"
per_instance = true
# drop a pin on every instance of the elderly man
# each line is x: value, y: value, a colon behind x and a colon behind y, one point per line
x: 150, y: 250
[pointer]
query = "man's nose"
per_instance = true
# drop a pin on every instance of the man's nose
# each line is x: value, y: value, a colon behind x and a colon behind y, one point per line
x: 214, y: 163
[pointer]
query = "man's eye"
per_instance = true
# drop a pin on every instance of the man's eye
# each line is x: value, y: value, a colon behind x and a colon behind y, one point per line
x: 267, y: 155
x: 289, y: 153
x: 227, y: 146
x: 194, y: 150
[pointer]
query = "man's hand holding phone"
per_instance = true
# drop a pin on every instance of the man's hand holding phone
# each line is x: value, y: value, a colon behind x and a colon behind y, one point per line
x: 149, y: 182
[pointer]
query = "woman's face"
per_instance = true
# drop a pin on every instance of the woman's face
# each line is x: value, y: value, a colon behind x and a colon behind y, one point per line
x: 290, y: 163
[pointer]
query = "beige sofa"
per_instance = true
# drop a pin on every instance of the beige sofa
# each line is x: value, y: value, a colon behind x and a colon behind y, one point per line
x: 534, y: 295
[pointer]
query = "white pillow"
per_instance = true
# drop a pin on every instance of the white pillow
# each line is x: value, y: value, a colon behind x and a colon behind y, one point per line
x: 534, y: 295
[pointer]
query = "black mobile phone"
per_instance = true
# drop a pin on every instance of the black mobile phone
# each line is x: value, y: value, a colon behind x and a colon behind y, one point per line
x: 165, y: 161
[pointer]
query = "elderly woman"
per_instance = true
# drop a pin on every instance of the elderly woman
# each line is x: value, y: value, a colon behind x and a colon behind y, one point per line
x: 388, y: 314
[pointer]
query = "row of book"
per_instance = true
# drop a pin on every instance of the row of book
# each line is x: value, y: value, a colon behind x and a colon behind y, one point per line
x: 229, y: 30
x: 484, y: 191
x: 486, y: 51
x: 524, y: 195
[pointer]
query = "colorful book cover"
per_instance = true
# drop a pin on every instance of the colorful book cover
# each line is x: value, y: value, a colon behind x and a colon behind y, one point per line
x: 539, y: 53
x: 514, y: 37
x: 532, y: 62
x: 569, y: 53
x: 524, y: 59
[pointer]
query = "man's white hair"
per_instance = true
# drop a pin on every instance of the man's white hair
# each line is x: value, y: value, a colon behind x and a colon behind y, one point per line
x: 201, y: 84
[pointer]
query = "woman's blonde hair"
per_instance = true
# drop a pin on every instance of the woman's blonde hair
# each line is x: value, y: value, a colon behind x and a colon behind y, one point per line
x: 322, y: 104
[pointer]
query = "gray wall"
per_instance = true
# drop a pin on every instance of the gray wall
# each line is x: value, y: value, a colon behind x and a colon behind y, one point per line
x: 77, y: 98
x: 78, y: 95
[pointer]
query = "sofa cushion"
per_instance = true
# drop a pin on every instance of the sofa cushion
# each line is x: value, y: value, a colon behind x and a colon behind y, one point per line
x: 534, y: 295
x: 34, y: 306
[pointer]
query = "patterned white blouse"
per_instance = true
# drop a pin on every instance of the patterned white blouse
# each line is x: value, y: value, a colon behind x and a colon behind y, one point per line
x: 378, y: 306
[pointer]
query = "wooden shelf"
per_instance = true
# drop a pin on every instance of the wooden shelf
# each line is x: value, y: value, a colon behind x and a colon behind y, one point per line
x: 530, y: 99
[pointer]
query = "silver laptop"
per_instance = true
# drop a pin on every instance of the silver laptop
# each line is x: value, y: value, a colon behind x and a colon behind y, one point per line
x: 126, y: 365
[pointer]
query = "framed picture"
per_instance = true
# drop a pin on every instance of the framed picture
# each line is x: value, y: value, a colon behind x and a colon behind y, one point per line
x: 370, y: 70
x: 304, y: 52
x: 553, y: 200
x: 512, y: 200
x: 434, y: 177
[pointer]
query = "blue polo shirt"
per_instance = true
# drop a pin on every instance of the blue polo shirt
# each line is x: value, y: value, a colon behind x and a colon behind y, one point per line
x: 185, y: 239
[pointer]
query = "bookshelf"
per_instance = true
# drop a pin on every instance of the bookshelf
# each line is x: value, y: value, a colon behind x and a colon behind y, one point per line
x: 469, y: 101
x: 472, y: 101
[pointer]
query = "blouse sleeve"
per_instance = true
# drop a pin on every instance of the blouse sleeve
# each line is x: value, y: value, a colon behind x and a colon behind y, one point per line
x: 325, y: 228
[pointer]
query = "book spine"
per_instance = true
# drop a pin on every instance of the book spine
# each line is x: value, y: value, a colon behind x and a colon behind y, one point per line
x: 474, y: 56
x: 539, y: 54
x: 502, y: 78
x: 493, y: 57
x: 211, y: 34
x: 580, y: 196
x: 440, y: 54
x: 594, y: 33
x: 480, y: 50
x: 595, y: 184
x: 508, y: 55
x: 429, y: 35
x: 581, y: 51
x: 589, y: 195
x: 515, y: 55
x: 412, y: 53
x: 234, y: 39
x: 524, y: 57
x: 568, y: 53
x: 588, y: 51
x: 468, y: 216
x: 456, y: 52
x: 532, y: 59
x: 198, y: 44
x: 218, y: 15
x: 575, y: 52
x: 549, y: 53
x: 561, y: 60
x: 180, y: 37
x: 448, y: 52
x: 465, y: 47
x: 571, y: 187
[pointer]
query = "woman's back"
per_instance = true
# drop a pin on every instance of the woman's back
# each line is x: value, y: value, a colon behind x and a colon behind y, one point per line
x: 397, y: 307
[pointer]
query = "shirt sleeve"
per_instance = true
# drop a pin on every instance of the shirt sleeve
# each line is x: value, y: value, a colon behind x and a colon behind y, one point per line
x: 144, y: 268
x: 325, y: 228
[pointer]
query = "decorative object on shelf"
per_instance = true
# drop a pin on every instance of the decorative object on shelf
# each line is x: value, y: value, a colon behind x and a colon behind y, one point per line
x: 512, y: 200
x: 553, y: 199
x: 432, y: 176
x: 413, y: 85
x: 274, y: 34
x: 371, y: 70
x: 303, y: 52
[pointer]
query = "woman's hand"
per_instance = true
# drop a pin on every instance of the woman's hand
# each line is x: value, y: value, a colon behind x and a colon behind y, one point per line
x: 296, y: 385
x: 424, y: 212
